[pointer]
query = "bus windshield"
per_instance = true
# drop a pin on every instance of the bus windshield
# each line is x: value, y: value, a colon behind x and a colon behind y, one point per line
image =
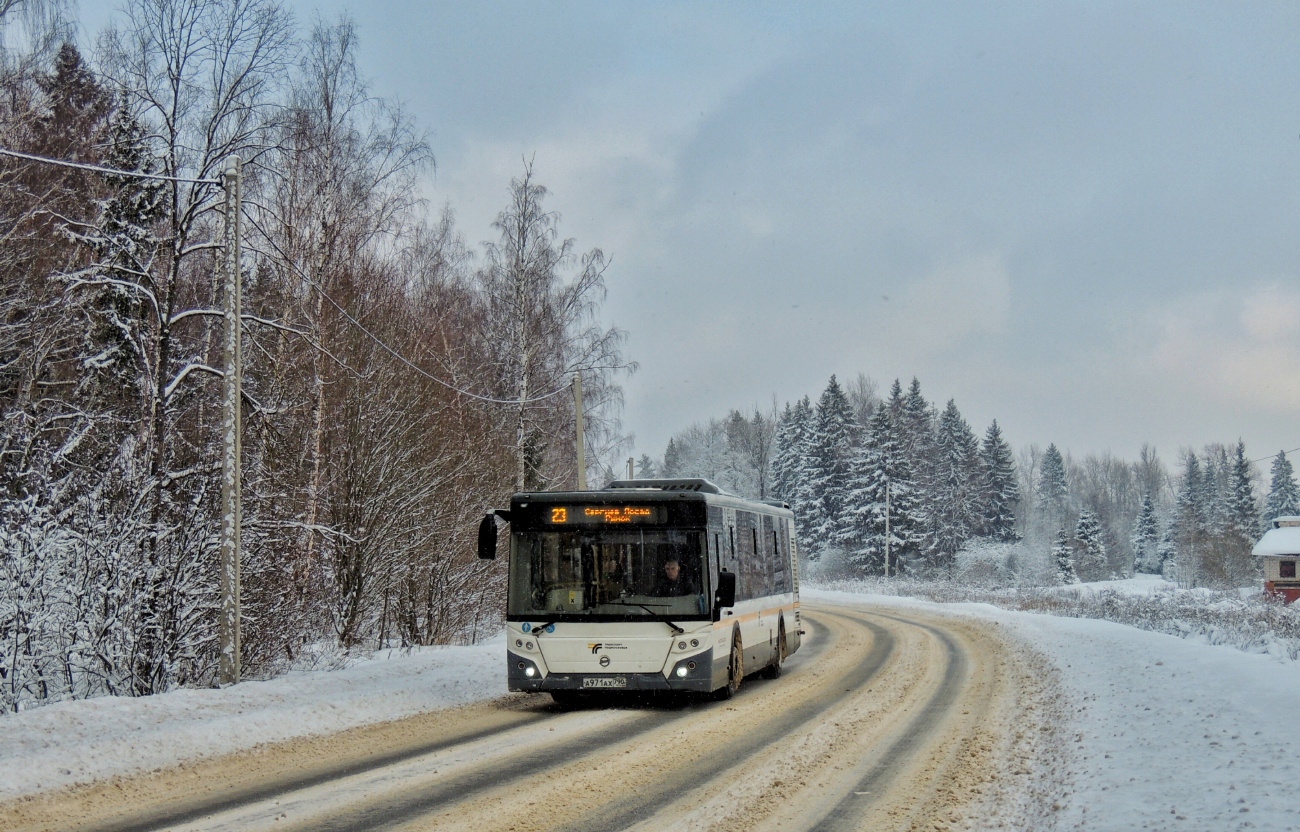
x: 629, y: 572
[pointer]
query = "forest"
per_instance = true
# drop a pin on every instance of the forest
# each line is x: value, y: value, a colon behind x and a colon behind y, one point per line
x: 963, y: 506
x: 397, y: 380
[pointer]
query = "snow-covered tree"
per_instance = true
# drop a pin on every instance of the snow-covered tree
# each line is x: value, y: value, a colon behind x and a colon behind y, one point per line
x: 916, y: 430
x: 1283, y: 494
x: 787, y: 453
x: 1187, y: 525
x: 123, y: 244
x: 543, y: 297
x: 1090, y: 562
x: 1236, y: 565
x: 1146, y: 538
x: 1063, y: 555
x: 672, y: 464
x: 645, y: 468
x: 880, y: 466
x: 957, y: 485
x: 1052, y: 490
x: 1243, y: 511
x: 831, y: 453
x: 1000, y: 493
x: 1167, y: 553
x: 1215, y: 490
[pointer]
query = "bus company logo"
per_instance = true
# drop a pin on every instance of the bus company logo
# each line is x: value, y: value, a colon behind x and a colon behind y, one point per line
x: 595, y: 648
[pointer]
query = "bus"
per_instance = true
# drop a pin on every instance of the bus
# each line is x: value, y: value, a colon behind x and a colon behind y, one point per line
x: 646, y: 585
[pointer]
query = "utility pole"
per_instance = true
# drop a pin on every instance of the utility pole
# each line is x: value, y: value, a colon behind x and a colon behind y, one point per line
x: 630, y: 471
x: 886, y: 527
x: 232, y: 452
x: 577, y: 407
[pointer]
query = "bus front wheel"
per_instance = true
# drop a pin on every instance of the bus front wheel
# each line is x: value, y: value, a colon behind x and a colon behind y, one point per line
x: 735, y: 670
x: 567, y: 698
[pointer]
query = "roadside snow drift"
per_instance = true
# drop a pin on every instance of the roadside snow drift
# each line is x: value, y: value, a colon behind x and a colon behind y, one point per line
x: 92, y: 739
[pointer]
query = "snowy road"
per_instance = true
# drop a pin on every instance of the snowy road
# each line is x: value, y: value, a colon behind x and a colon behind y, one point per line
x: 884, y: 720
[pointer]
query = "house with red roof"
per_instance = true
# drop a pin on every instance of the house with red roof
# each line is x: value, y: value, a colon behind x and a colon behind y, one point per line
x: 1279, y: 550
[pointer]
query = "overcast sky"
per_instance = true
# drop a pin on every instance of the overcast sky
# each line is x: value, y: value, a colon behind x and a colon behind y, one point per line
x: 1080, y: 219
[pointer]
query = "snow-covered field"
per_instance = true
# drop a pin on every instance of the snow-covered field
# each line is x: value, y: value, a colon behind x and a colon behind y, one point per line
x: 1168, y: 733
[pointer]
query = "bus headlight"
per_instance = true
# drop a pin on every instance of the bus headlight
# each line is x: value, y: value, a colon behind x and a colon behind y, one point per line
x: 531, y: 671
x: 681, y: 672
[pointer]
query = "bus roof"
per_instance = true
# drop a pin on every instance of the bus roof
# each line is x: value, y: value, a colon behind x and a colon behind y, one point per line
x: 655, y: 490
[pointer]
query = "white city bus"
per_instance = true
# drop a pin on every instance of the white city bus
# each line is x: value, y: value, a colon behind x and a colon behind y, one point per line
x: 650, y: 585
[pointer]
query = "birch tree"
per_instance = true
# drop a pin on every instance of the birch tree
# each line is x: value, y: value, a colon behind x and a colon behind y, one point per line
x: 543, y: 299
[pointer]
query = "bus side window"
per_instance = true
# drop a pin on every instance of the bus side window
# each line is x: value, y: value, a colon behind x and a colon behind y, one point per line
x: 778, y: 573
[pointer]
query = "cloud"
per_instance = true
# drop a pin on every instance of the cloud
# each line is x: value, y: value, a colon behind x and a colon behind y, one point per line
x: 1237, y: 347
x: 951, y: 305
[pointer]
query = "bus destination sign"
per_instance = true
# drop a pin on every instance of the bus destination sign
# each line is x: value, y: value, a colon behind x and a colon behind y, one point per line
x: 601, y: 515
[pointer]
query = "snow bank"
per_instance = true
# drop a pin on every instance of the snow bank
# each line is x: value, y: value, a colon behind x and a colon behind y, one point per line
x: 1168, y: 733
x: 78, y: 742
x: 1246, y: 622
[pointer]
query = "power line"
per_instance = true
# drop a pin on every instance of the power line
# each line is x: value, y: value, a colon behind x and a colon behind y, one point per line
x: 31, y: 157
x: 1274, y: 456
x: 394, y: 353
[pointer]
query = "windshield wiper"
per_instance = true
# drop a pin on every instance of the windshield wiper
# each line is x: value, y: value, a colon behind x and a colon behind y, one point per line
x: 677, y: 631
x: 540, y: 628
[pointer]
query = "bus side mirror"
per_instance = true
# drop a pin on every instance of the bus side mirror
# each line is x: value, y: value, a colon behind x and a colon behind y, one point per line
x: 487, y: 537
x: 726, y: 594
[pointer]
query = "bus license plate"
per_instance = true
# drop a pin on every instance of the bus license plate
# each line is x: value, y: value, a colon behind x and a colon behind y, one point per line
x: 605, y: 682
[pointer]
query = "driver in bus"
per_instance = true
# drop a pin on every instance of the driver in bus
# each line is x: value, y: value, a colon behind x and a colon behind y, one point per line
x: 673, y: 582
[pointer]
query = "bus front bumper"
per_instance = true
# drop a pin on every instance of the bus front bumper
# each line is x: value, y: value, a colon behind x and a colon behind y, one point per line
x: 698, y: 678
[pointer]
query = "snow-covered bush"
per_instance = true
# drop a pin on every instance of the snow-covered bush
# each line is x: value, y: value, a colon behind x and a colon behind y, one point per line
x: 984, y: 562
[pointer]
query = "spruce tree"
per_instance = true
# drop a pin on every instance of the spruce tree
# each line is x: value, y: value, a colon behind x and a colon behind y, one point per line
x: 791, y: 467
x: 1052, y: 488
x: 672, y: 460
x: 1187, y: 532
x: 956, y: 485
x: 1283, y: 495
x: 1241, y: 522
x: 123, y: 244
x: 1167, y: 553
x: 881, y: 465
x: 917, y: 436
x: 1243, y: 512
x: 832, y: 449
x: 785, y: 455
x: 1146, y: 538
x: 645, y: 468
x: 1091, y: 564
x: 1063, y: 552
x: 1001, y: 487
x: 1214, y: 491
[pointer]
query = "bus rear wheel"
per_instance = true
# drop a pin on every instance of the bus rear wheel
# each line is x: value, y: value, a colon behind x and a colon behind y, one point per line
x: 735, y: 670
x: 773, y: 670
